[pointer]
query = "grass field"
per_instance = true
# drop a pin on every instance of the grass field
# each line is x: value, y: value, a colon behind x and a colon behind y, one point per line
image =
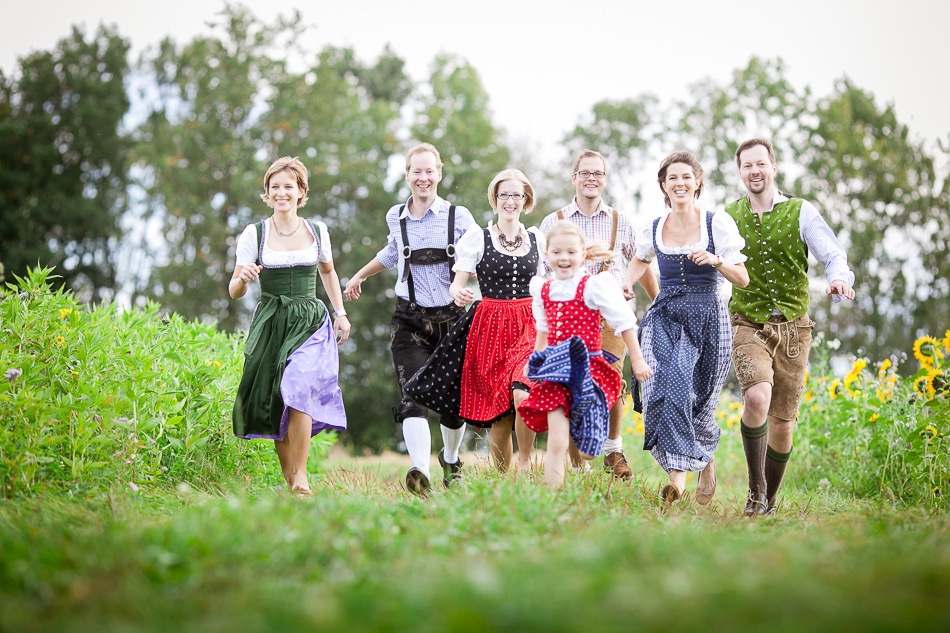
x: 127, y: 505
x: 492, y: 554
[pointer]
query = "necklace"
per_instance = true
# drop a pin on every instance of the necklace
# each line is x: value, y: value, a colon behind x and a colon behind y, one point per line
x: 509, y: 245
x: 274, y: 224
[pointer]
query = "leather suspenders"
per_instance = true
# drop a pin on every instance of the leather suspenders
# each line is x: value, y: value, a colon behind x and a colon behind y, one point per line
x: 426, y: 256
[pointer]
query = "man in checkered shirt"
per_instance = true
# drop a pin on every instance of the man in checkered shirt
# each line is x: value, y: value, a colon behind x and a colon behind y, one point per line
x: 608, y: 226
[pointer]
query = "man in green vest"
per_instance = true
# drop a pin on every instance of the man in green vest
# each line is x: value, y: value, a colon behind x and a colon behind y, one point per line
x: 770, y: 315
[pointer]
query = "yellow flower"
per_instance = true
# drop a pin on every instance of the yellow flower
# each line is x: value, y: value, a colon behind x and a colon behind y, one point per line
x: 808, y: 396
x: 217, y: 363
x: 60, y: 340
x: 882, y: 370
x: 920, y: 387
x: 926, y: 351
x: 946, y: 341
x: 932, y: 375
x: 874, y: 417
x: 929, y: 430
x: 65, y: 312
x: 833, y: 389
x: 883, y: 394
x: 855, y: 372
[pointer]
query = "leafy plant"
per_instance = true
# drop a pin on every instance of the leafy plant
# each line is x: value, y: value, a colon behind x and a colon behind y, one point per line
x: 94, y: 398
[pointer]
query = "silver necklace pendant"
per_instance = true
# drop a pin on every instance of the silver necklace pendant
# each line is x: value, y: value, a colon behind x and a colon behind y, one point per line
x: 274, y: 224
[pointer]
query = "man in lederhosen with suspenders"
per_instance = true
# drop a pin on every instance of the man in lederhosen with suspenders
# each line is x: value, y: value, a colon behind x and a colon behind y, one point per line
x: 616, y: 232
x: 421, y: 242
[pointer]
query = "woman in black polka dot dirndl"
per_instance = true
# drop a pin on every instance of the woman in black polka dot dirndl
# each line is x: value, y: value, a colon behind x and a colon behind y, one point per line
x: 478, y: 371
x: 686, y: 334
x: 577, y: 386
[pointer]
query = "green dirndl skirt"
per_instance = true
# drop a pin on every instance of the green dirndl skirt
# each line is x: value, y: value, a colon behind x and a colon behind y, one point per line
x: 288, y: 317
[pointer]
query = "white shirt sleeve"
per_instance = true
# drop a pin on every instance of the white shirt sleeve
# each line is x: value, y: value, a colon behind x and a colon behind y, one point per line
x: 246, y: 251
x: 603, y: 293
x: 537, y: 304
x: 729, y: 242
x: 469, y: 250
x: 326, y: 252
x: 824, y: 245
x: 644, y: 250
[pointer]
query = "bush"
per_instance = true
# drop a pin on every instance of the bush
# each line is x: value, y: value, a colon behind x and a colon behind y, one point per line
x: 92, y: 398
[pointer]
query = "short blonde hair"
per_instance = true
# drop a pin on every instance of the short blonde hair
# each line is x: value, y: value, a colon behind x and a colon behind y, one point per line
x: 511, y: 174
x: 588, y: 153
x: 594, y: 251
x: 424, y: 147
x: 293, y: 166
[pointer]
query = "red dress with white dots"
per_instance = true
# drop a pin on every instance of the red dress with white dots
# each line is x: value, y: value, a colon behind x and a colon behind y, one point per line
x: 567, y: 319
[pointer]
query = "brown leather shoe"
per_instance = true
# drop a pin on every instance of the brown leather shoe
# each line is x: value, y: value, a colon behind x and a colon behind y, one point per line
x: 616, y: 464
x: 706, y: 484
x: 417, y: 483
x: 670, y: 493
x: 756, y: 504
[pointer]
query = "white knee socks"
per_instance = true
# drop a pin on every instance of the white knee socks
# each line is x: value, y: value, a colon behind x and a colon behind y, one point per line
x: 415, y: 432
x: 452, y: 440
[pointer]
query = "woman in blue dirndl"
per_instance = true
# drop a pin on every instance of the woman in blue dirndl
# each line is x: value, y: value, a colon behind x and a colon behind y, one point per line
x: 686, y: 333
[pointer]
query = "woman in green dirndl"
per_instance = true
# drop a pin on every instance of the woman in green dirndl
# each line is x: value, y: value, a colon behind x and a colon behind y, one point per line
x: 289, y: 389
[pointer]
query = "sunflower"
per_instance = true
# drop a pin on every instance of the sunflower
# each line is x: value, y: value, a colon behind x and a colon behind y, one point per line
x: 833, y: 389
x: 855, y: 372
x: 935, y: 382
x: 926, y: 351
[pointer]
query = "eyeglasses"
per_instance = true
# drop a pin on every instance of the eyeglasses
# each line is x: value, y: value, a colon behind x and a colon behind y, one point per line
x: 514, y: 196
x: 584, y: 175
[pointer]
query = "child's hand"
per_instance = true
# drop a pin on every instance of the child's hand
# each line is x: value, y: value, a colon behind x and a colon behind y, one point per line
x: 641, y: 370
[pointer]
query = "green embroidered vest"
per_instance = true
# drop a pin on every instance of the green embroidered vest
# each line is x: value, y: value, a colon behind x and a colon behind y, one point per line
x: 777, y: 264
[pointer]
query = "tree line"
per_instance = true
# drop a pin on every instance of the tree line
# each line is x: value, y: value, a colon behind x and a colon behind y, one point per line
x: 133, y: 178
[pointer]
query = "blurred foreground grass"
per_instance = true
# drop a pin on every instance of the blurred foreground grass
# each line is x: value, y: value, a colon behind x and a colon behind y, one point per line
x: 492, y: 554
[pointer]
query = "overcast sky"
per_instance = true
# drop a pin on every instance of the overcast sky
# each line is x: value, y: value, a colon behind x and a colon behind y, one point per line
x: 545, y: 63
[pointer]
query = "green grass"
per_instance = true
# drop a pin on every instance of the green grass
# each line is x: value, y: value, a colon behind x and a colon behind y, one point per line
x: 127, y: 505
x: 493, y: 553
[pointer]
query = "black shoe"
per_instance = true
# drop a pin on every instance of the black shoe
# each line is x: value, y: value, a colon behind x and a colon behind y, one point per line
x: 773, y: 507
x: 756, y: 504
x: 451, y: 472
x: 417, y: 483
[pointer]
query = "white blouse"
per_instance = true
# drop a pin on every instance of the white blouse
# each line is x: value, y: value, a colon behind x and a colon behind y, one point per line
x: 602, y: 292
x: 247, y: 248
x: 470, y: 248
x: 729, y: 242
